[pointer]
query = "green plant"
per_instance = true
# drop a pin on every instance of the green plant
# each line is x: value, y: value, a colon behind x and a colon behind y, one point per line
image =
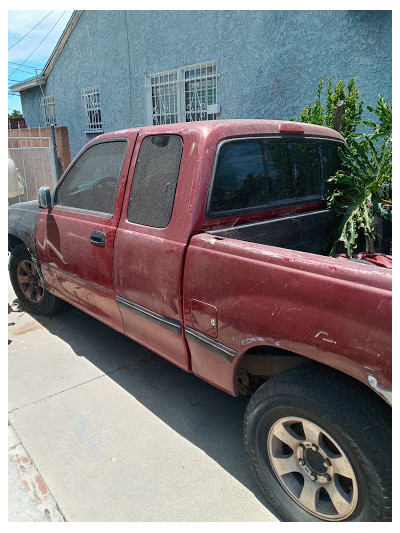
x: 15, y: 114
x: 353, y: 107
x: 363, y: 187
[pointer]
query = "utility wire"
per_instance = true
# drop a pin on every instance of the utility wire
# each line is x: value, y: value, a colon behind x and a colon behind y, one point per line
x: 26, y: 71
x: 20, y: 64
x: 23, y: 37
x: 45, y: 37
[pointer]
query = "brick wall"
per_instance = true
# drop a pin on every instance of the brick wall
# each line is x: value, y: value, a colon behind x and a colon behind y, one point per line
x: 62, y: 141
x: 14, y: 122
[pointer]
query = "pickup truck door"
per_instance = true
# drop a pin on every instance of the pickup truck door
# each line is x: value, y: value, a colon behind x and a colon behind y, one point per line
x: 150, y: 245
x: 75, y: 239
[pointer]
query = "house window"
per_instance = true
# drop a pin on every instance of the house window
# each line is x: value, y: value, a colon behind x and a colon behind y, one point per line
x: 184, y: 94
x: 48, y: 110
x: 200, y: 87
x: 91, y: 106
x: 164, y: 98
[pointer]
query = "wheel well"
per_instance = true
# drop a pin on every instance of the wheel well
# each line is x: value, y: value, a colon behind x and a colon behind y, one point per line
x: 13, y: 241
x: 261, y: 363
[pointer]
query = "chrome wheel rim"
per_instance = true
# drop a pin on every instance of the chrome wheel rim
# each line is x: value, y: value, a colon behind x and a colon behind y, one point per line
x: 312, y: 468
x: 29, y: 281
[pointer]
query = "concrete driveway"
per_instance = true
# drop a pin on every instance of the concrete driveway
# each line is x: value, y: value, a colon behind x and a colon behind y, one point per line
x: 104, y: 430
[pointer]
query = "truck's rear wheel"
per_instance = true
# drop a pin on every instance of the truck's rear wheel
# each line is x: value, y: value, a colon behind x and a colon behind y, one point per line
x: 29, y: 288
x: 319, y: 445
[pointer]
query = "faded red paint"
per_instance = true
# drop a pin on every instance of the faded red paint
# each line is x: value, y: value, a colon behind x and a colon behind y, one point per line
x: 21, y: 459
x: 258, y: 295
x: 41, y: 484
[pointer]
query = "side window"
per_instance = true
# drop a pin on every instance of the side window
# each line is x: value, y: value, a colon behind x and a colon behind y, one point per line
x: 92, y: 182
x: 154, y: 183
x: 254, y: 174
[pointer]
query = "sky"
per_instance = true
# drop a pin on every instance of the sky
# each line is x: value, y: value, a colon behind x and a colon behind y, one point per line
x: 24, y: 52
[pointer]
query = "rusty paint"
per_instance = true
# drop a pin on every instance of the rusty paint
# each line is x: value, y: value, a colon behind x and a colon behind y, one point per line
x: 26, y: 485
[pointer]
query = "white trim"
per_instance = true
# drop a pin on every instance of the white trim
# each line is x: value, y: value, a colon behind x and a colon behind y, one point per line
x: 28, y: 84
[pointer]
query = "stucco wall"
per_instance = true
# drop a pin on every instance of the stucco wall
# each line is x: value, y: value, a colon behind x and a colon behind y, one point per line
x: 269, y: 62
x: 30, y: 101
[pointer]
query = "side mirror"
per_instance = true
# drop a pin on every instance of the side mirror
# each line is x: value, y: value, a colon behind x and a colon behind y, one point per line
x: 44, y: 197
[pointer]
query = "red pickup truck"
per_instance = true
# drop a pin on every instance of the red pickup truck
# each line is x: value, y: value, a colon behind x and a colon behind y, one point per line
x: 204, y: 242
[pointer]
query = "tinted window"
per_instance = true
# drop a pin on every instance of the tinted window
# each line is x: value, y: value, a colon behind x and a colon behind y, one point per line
x: 253, y: 174
x: 92, y: 182
x: 154, y: 182
x: 331, y: 161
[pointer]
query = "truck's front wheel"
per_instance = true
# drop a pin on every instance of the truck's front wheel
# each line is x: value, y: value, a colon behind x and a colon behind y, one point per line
x: 29, y: 288
x: 319, y: 445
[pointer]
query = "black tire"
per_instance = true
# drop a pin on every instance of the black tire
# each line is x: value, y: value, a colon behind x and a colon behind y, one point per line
x: 46, y: 303
x: 355, y: 424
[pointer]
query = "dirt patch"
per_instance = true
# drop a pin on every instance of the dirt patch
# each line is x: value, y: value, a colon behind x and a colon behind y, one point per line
x: 27, y: 328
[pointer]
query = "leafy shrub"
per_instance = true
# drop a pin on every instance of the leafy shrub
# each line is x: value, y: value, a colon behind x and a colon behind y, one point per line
x: 363, y: 187
x: 353, y: 107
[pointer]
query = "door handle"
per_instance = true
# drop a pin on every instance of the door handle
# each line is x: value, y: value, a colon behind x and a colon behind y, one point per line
x: 98, y: 238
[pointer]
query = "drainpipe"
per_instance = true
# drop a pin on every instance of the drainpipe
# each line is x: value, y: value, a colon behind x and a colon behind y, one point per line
x: 53, y: 136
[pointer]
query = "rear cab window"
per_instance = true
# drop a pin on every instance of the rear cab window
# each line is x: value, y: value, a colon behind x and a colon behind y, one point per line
x: 257, y: 173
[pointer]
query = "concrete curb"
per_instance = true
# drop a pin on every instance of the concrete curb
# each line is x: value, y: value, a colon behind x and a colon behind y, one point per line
x: 32, y: 480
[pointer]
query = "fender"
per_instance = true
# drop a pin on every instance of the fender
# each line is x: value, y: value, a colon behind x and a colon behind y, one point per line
x: 22, y: 222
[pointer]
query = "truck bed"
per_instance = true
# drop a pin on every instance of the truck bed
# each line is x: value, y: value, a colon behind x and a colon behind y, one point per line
x: 304, y: 232
x: 265, y: 295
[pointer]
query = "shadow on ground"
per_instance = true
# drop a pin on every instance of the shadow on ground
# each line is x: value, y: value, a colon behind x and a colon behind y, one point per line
x: 202, y: 414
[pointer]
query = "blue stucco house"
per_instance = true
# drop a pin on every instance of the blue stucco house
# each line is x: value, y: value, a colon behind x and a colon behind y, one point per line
x: 118, y: 69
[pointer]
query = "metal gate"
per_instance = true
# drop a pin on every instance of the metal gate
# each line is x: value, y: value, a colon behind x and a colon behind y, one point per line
x: 34, y: 161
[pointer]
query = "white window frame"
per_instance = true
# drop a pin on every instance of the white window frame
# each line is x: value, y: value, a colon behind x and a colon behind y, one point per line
x: 92, y: 109
x: 178, y: 95
x: 48, y: 111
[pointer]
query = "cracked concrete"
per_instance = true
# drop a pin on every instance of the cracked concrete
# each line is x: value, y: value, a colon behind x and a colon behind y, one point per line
x: 107, y: 431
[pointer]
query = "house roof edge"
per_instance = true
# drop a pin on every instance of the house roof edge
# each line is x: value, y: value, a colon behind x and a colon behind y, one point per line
x: 41, y: 80
x: 28, y: 84
x: 61, y: 42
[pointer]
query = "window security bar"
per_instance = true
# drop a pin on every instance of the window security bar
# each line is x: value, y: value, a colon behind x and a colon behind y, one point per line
x: 183, y: 95
x: 47, y: 108
x: 91, y: 105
